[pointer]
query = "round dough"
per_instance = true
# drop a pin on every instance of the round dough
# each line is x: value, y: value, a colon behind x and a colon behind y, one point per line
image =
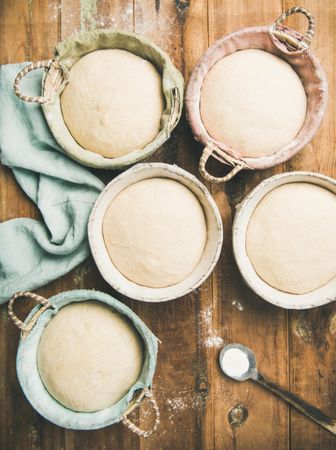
x: 89, y: 356
x: 155, y: 232
x: 291, y: 239
x: 113, y: 102
x: 253, y: 102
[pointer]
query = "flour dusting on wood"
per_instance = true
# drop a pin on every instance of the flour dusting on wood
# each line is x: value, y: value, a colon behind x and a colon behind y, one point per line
x: 210, y: 337
x: 88, y: 12
x: 238, y: 305
x: 214, y: 341
x: 54, y: 11
x: 175, y: 403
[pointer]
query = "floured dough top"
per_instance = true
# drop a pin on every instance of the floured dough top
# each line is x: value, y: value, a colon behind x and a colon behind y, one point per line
x: 155, y: 232
x: 113, y: 102
x: 254, y: 102
x: 291, y: 240
x: 89, y: 356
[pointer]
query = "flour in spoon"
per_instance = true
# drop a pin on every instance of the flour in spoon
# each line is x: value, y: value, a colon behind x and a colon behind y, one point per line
x: 235, y: 362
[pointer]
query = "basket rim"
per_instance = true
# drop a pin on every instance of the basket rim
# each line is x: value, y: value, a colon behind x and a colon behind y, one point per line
x: 100, y: 255
x: 31, y: 382
x: 321, y: 296
x: 199, y: 73
x: 171, y: 79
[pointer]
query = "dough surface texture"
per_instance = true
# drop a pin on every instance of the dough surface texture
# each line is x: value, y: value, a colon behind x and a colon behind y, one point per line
x: 113, y: 102
x: 254, y: 102
x: 89, y: 356
x: 291, y: 240
x: 155, y: 232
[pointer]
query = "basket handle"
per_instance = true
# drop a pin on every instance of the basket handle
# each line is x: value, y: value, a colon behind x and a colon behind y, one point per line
x: 145, y: 393
x: 38, y: 299
x: 175, y: 110
x: 56, y: 77
x: 237, y: 166
x: 302, y: 43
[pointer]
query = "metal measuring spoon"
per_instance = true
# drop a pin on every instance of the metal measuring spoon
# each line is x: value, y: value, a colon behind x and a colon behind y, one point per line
x: 248, y: 362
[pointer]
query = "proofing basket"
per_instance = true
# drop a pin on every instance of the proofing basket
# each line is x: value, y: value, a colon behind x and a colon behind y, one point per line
x: 31, y: 382
x: 56, y: 77
x: 284, y: 43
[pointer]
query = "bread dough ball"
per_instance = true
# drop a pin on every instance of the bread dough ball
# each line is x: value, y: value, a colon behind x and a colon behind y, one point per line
x: 291, y: 240
x: 89, y: 356
x: 155, y: 232
x: 254, y: 102
x: 113, y: 102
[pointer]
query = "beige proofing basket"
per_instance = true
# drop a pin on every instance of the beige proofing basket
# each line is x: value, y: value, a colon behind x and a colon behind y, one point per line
x: 67, y: 53
x: 318, y: 297
x: 212, y: 248
x: 282, y: 42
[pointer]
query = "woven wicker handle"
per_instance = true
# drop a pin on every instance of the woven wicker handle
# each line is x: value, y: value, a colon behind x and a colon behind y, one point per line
x: 237, y: 166
x: 54, y: 79
x: 175, y: 110
x: 37, y: 298
x: 302, y: 43
x: 146, y: 393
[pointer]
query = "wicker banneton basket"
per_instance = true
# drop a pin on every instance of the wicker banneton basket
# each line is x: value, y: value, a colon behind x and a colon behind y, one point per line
x: 32, y: 384
x: 56, y: 77
x: 284, y: 43
x: 101, y: 256
x: 318, y: 297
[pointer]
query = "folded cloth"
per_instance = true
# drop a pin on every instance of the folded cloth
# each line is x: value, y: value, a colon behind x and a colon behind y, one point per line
x: 33, y: 252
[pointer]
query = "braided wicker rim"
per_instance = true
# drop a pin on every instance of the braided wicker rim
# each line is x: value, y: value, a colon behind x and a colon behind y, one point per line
x: 145, y: 393
x: 27, y: 327
x: 300, y: 43
x: 212, y: 150
x: 56, y: 77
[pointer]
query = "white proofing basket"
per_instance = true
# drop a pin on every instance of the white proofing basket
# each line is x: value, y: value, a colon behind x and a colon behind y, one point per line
x: 212, y: 248
x: 318, y: 297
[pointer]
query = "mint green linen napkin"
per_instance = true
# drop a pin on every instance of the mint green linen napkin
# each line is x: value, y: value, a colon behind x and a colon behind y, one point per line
x: 33, y: 252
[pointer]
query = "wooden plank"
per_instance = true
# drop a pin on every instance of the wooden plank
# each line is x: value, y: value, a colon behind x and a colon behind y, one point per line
x: 239, y: 315
x: 86, y: 15
x: 80, y: 16
x: 183, y: 376
x: 312, y: 335
x: 27, y: 33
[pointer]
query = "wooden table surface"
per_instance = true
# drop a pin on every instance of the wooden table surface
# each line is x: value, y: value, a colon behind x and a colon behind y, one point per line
x: 200, y: 408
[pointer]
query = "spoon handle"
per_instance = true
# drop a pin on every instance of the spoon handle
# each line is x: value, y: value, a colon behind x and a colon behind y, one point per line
x: 313, y: 413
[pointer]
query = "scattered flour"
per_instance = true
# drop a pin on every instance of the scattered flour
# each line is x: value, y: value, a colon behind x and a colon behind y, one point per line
x: 214, y: 341
x: 238, y: 305
x: 209, y: 336
x: 206, y: 316
x: 177, y: 403
x: 88, y: 11
x: 54, y: 11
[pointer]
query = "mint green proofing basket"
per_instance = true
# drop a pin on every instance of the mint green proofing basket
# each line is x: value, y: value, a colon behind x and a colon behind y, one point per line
x: 34, y: 388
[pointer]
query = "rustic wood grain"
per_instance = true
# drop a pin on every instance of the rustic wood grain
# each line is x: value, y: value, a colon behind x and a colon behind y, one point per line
x: 311, y: 345
x: 200, y: 408
x: 170, y: 25
x: 260, y: 326
x: 26, y: 34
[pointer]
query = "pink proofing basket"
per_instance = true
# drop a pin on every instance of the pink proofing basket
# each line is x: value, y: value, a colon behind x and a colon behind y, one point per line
x: 284, y: 43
